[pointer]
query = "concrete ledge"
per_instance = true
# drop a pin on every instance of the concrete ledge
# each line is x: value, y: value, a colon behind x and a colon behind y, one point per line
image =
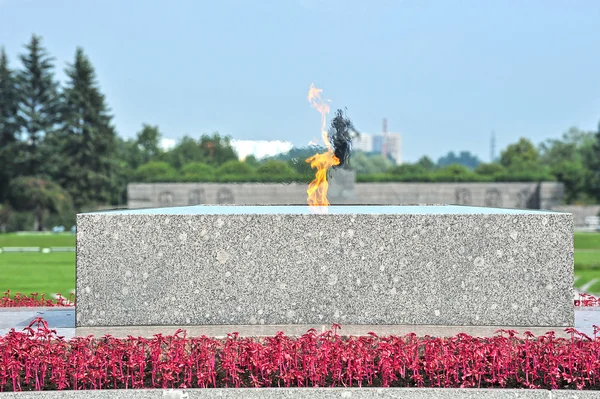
x: 221, y: 331
x: 302, y: 393
x: 400, y: 265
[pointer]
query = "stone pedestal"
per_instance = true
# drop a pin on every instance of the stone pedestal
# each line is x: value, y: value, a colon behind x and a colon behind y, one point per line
x: 353, y: 265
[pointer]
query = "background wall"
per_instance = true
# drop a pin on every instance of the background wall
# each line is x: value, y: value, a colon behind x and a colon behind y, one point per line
x: 344, y: 190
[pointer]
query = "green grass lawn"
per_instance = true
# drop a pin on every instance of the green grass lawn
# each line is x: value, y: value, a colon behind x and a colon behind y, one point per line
x: 55, y: 272
x: 37, y: 240
x: 587, y: 262
x: 587, y: 259
x: 38, y: 272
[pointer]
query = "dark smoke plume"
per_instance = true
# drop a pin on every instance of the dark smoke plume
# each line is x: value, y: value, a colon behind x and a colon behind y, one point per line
x: 341, y: 133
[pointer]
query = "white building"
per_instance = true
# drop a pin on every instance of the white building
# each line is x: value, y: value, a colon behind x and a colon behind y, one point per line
x: 364, y: 142
x: 377, y: 143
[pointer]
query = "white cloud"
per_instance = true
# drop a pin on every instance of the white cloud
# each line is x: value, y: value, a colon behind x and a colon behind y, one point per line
x: 244, y: 148
x: 167, y: 144
x: 260, y: 148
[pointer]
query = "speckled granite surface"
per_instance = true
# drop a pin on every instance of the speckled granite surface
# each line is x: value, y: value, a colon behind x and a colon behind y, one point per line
x: 448, y: 267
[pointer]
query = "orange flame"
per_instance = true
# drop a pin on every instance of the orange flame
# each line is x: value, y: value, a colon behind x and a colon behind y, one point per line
x: 317, y: 189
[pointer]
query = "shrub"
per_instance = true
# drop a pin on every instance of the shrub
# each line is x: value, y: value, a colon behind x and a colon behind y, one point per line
x: 155, y: 172
x: 275, y: 168
x: 197, y: 169
x: 236, y: 168
x: 489, y: 169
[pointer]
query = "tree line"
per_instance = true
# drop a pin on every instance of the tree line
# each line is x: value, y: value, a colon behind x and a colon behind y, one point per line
x: 572, y: 159
x: 60, y: 152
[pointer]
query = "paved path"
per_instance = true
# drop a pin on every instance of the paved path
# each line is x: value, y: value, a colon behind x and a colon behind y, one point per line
x: 63, y: 320
x: 60, y: 319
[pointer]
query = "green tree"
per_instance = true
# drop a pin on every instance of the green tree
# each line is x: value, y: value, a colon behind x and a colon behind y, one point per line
x: 369, y: 163
x: 522, y: 153
x: 148, y: 143
x: 217, y: 149
x: 6, y: 213
x: 567, y: 160
x: 9, y: 129
x: 87, y: 138
x: 186, y: 151
x: 361, y: 163
x: 126, y: 161
x: 252, y: 161
x: 38, y: 106
x: 595, y: 167
x: 39, y: 196
x: 426, y: 163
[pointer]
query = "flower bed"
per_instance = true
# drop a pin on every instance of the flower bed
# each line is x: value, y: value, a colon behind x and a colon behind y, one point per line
x: 34, y: 300
x: 38, y: 359
x: 587, y: 300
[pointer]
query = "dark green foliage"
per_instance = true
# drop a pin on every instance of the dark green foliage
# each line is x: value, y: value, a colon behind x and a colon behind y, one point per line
x: 148, y: 140
x: 594, y: 167
x: 519, y: 154
x: 217, y: 149
x: 188, y: 150
x: 568, y: 160
x: 211, y: 150
x: 40, y: 197
x: 426, y: 163
x: 6, y: 214
x: 86, y: 139
x: 39, y: 107
x: 9, y: 128
x: 252, y: 161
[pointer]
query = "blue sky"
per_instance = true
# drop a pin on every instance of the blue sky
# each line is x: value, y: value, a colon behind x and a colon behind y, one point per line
x: 444, y: 73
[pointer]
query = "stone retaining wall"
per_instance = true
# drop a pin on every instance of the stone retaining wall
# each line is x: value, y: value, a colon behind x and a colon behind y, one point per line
x: 343, y: 190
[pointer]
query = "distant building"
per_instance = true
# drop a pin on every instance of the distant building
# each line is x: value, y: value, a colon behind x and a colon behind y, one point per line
x: 364, y: 143
x: 376, y: 143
